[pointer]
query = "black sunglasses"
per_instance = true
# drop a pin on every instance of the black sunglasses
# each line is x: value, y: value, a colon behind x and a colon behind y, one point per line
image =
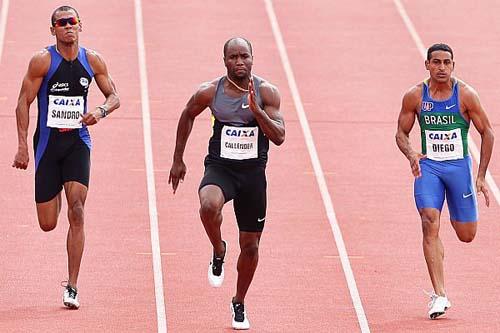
x: 63, y: 21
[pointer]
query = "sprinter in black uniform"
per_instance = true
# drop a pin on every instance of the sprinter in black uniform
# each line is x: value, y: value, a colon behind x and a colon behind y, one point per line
x: 59, y: 76
x: 246, y: 115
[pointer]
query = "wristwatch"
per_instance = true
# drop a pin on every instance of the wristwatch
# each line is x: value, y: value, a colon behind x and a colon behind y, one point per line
x: 104, y: 110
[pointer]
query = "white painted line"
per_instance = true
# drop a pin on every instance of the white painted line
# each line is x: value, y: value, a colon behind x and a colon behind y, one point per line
x: 320, y: 177
x: 423, y: 52
x: 3, y: 23
x: 148, y: 151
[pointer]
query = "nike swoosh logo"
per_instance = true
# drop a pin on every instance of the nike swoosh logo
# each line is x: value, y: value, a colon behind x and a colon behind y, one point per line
x: 465, y: 196
x: 449, y: 106
x: 245, y: 106
x: 261, y: 220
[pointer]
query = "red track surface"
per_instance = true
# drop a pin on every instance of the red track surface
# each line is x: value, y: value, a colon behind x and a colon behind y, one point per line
x: 352, y: 61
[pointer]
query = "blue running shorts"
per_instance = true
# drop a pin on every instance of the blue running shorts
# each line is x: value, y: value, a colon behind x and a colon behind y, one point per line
x: 452, y: 179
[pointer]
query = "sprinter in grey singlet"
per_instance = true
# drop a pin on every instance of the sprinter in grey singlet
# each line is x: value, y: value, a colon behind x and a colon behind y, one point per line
x: 245, y: 117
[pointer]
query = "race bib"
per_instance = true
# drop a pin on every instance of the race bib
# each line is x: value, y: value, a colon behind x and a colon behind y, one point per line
x: 65, y: 111
x: 444, y: 145
x: 239, y: 143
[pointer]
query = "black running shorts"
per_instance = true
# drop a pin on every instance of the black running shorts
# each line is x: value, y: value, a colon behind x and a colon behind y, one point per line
x: 247, y: 187
x: 66, y: 158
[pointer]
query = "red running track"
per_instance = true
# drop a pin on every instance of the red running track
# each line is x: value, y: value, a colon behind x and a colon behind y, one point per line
x: 352, y: 62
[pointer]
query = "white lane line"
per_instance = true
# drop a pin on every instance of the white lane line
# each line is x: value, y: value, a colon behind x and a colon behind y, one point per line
x: 148, y: 151
x: 3, y: 23
x: 423, y: 52
x: 318, y: 171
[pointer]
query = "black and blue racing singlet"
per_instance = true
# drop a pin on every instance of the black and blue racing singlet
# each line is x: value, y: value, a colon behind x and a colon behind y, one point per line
x: 237, y: 138
x: 62, y: 99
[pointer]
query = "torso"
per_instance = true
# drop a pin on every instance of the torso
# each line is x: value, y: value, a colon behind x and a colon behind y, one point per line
x: 443, y: 125
x: 62, y: 98
x: 237, y: 138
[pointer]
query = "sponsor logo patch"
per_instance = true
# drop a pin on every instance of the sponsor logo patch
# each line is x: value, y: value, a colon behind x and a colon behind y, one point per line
x: 427, y: 106
x: 84, y: 82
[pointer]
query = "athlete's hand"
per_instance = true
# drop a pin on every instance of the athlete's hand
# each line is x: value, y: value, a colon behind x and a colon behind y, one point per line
x: 252, y: 99
x: 91, y: 118
x: 415, y: 164
x: 481, y: 187
x: 177, y: 173
x: 21, y: 159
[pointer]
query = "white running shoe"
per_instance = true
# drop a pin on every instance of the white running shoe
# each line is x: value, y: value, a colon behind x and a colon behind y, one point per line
x: 70, y: 298
x: 438, y: 306
x: 239, y: 317
x: 216, y: 269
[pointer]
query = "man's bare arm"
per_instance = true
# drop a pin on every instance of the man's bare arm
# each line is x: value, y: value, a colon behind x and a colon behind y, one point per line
x: 270, y: 119
x: 107, y: 87
x: 200, y: 100
x: 406, y: 120
x: 480, y: 120
x: 37, y: 69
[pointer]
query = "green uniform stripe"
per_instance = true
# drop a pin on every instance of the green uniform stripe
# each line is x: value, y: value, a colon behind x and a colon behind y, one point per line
x: 443, y: 121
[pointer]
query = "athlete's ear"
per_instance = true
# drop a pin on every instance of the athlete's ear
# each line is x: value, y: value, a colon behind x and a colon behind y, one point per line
x: 427, y: 64
x: 52, y: 31
x: 80, y: 26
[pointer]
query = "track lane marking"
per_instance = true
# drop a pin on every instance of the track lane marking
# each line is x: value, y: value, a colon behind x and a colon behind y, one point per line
x: 148, y: 152
x: 318, y: 171
x: 3, y: 23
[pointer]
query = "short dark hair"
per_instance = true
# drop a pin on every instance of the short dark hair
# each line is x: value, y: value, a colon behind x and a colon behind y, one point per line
x: 226, y: 44
x: 439, y: 47
x: 62, y: 9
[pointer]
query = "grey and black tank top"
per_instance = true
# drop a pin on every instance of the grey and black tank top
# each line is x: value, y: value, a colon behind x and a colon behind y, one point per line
x: 237, y: 139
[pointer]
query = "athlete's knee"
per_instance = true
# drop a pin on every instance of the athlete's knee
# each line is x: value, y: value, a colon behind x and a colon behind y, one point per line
x: 250, y: 250
x: 430, y: 226
x: 76, y: 213
x: 209, y: 209
x: 466, y: 231
x: 466, y: 237
x: 47, y: 225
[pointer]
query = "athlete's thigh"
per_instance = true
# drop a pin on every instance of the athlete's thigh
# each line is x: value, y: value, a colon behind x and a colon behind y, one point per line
x: 48, y: 212
x: 76, y: 193
x: 466, y: 231
x: 221, y: 178
x: 429, y: 190
x: 48, y: 175
x: 249, y: 239
x: 250, y: 203
x: 75, y: 165
x: 460, y: 194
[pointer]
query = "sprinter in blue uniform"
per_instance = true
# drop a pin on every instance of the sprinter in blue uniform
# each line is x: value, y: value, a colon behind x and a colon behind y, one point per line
x: 245, y: 115
x: 59, y: 77
x: 445, y: 107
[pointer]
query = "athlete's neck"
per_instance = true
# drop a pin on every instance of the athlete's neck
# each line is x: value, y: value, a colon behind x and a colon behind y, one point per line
x: 240, y: 84
x: 440, y: 90
x: 68, y: 51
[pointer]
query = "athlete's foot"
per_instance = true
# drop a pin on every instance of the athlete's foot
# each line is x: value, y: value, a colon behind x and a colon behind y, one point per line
x: 216, y: 269
x: 438, y: 306
x: 70, y: 297
x: 239, y: 316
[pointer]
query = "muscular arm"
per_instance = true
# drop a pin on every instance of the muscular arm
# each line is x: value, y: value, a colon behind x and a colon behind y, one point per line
x: 270, y: 119
x: 200, y: 100
x: 483, y: 126
x: 105, y: 84
x: 37, y: 69
x: 406, y: 121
